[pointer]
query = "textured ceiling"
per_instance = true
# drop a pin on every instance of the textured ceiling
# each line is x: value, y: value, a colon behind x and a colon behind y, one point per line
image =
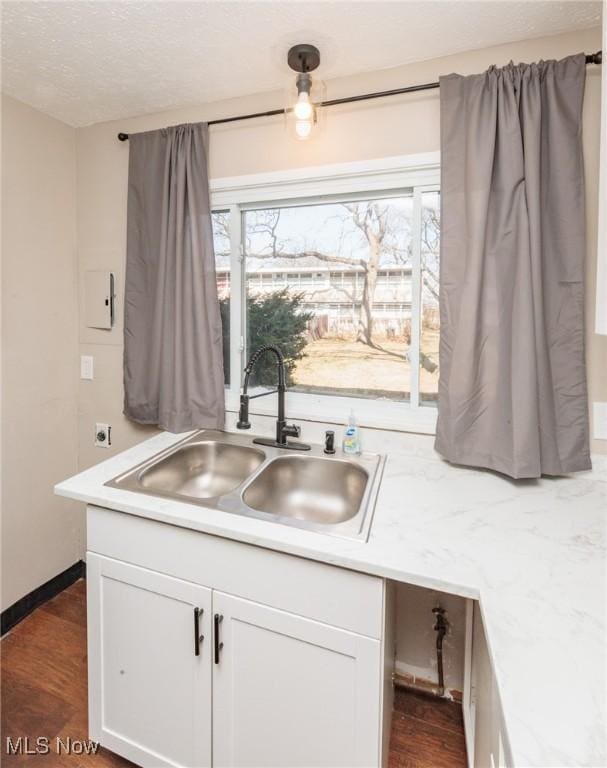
x: 85, y: 62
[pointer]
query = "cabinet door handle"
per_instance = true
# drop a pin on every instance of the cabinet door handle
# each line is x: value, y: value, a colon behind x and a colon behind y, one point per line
x: 198, y: 638
x: 217, y: 619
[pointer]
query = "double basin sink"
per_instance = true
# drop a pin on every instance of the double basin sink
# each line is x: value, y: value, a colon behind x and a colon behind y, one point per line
x: 332, y: 494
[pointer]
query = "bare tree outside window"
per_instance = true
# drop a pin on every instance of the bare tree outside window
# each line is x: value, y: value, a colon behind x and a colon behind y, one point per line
x: 338, y: 278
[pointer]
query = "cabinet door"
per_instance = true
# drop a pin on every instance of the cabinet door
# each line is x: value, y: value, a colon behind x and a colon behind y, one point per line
x: 489, y: 745
x: 288, y: 691
x: 149, y: 672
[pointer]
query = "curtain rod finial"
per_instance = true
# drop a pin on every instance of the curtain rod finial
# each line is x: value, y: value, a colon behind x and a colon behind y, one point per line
x: 123, y: 136
x: 595, y: 58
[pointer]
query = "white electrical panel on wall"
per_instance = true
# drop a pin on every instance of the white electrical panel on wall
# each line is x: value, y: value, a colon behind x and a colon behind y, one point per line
x: 99, y: 299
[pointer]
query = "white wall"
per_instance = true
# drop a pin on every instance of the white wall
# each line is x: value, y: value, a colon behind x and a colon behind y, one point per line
x: 41, y: 535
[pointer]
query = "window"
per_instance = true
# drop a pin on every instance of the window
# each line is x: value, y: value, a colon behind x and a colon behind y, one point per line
x: 340, y: 336
x: 430, y: 321
x: 344, y: 281
x: 221, y: 245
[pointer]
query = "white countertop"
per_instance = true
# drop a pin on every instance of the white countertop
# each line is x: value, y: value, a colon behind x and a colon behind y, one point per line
x: 532, y: 552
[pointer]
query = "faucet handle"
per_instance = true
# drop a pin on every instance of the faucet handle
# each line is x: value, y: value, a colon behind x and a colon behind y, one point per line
x: 291, y: 430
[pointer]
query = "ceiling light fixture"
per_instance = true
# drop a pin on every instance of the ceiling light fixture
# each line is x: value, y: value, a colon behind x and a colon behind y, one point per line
x: 304, y: 115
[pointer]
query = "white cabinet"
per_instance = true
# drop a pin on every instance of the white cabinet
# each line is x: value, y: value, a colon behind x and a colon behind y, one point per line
x: 288, y: 691
x: 149, y: 673
x: 485, y: 734
x: 291, y: 672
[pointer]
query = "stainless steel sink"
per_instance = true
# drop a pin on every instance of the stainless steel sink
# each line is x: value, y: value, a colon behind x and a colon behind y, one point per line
x: 308, y: 488
x: 199, y: 469
x: 223, y: 471
x: 202, y: 470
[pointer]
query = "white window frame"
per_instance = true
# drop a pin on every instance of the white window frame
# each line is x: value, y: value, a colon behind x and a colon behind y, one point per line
x: 419, y: 172
x: 601, y: 269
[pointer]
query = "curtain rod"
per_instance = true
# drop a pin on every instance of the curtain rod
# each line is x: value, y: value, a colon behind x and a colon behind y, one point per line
x: 591, y: 58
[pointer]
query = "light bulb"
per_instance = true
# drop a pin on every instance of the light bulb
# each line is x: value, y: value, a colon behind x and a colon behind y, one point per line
x: 303, y: 109
x: 303, y: 128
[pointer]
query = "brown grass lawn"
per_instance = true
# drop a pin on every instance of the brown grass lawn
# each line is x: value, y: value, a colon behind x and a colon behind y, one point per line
x: 345, y: 365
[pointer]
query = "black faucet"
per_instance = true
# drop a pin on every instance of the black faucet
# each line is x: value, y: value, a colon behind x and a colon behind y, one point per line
x: 283, y: 430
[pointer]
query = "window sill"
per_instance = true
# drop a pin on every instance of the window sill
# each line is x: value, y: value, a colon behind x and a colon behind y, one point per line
x: 330, y: 409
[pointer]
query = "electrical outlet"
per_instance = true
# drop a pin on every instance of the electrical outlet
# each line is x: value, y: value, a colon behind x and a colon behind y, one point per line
x: 103, y: 435
x: 86, y: 366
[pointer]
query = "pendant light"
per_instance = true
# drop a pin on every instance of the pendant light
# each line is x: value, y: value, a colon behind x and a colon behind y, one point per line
x: 304, y: 101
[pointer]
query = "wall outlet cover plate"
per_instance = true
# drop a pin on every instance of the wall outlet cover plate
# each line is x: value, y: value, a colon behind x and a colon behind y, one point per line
x: 103, y: 435
x: 86, y: 367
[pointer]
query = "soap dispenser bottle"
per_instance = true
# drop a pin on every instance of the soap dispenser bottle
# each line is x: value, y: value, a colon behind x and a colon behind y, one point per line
x: 351, y: 441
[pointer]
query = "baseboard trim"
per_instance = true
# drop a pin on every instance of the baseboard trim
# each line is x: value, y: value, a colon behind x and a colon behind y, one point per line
x: 420, y: 685
x: 22, y: 608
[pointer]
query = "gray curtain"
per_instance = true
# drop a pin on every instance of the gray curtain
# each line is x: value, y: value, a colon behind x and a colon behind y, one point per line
x: 512, y: 392
x: 173, y: 359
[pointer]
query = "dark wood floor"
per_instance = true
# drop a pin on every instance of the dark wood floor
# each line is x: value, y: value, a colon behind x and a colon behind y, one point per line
x: 44, y: 694
x: 426, y: 732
